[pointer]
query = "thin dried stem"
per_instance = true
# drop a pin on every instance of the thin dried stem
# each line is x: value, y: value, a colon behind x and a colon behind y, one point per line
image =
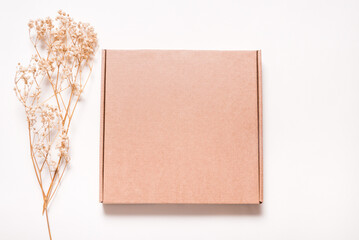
x: 48, y: 224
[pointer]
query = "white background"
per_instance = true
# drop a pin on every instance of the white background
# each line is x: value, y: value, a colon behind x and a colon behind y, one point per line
x: 311, y: 121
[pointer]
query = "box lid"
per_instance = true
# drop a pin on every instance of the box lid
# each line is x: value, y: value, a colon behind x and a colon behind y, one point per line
x: 181, y: 126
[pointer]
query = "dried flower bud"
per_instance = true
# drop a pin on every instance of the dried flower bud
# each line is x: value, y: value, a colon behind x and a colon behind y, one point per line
x: 30, y: 24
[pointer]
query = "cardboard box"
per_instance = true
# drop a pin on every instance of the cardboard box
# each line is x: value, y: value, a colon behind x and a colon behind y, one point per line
x: 182, y: 127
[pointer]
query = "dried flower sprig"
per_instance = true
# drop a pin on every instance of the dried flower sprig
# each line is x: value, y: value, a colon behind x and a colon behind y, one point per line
x: 49, y: 88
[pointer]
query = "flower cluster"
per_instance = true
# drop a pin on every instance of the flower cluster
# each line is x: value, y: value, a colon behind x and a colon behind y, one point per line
x: 63, y: 146
x: 49, y: 88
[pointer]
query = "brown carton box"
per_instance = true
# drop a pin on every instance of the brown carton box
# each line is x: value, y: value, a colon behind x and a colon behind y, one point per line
x: 181, y: 126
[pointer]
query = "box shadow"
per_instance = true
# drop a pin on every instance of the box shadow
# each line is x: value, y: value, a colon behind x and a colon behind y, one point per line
x: 182, y: 209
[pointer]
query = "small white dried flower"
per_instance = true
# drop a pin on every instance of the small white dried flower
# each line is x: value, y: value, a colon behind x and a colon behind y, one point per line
x: 30, y: 24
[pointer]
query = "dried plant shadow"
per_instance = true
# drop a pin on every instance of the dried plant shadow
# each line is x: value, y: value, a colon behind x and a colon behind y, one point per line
x: 182, y: 209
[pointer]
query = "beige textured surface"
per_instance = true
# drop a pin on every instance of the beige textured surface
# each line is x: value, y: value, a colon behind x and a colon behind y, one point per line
x: 181, y: 127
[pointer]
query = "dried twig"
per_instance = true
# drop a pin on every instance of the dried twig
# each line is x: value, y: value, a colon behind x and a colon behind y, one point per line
x: 49, y: 89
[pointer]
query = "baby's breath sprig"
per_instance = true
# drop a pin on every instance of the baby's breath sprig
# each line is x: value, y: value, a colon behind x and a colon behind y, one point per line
x: 49, y: 88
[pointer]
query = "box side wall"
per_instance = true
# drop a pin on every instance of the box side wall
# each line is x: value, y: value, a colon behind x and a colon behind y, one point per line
x: 102, y: 121
x: 260, y: 125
